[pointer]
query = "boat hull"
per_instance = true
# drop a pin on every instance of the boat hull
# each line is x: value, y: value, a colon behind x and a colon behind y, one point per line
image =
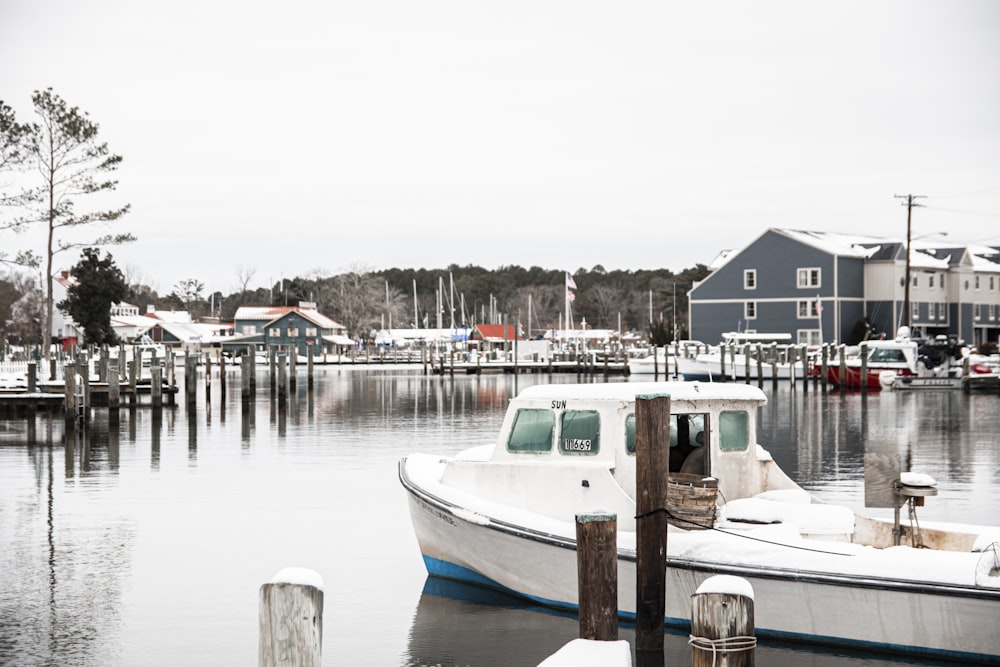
x: 952, y: 622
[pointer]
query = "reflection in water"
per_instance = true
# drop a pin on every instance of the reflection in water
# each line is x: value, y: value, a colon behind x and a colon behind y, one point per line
x: 106, y: 555
x: 86, y: 546
x: 448, y: 625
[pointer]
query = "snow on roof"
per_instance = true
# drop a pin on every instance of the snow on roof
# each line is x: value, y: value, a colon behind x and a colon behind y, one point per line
x: 271, y: 313
x: 629, y: 391
x: 985, y: 258
x: 844, y: 245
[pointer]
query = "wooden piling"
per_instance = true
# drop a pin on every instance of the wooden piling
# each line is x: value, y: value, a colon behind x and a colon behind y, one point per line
x: 114, y: 389
x: 825, y: 366
x: 843, y: 366
x: 597, y: 575
x: 156, y: 385
x: 32, y: 376
x: 863, y: 377
x: 208, y: 377
x: 291, y: 619
x: 746, y: 363
x: 722, y: 623
x: 246, y: 372
x: 805, y: 369
x: 69, y: 385
x: 760, y: 364
x: 652, y: 438
x: 190, y: 377
x: 282, y: 375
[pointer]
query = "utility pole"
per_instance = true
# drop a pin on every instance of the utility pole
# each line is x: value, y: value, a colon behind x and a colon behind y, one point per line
x: 909, y: 216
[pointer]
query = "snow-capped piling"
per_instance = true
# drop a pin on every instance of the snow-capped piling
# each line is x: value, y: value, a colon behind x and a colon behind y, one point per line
x: 722, y: 623
x: 291, y: 619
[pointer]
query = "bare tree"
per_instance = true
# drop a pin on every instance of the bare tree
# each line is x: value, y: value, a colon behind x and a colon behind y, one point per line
x: 65, y: 151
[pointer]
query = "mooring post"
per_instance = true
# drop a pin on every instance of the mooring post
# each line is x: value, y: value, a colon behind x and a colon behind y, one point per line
x: 69, y: 383
x: 246, y: 372
x: 282, y: 375
x: 293, y: 360
x: 652, y: 441
x: 32, y: 376
x: 722, y: 623
x: 843, y: 366
x: 863, y: 378
x: 291, y: 619
x: 190, y: 377
x: 805, y: 369
x: 825, y: 366
x: 597, y: 575
x: 156, y: 385
x: 208, y: 377
x: 114, y: 389
x: 760, y: 365
x: 746, y: 363
x: 309, y: 367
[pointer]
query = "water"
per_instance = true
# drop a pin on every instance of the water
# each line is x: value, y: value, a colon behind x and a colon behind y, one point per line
x: 146, y: 542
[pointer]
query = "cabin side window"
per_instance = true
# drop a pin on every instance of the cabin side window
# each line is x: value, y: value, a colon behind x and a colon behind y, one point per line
x: 734, y: 431
x: 532, y: 431
x: 580, y: 432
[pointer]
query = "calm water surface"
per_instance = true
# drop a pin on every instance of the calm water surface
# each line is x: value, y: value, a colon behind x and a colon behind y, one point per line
x: 145, y: 542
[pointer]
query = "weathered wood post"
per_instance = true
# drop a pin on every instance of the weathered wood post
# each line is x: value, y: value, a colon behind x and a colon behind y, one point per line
x: 291, y: 619
x: 774, y: 365
x: 652, y: 440
x: 597, y: 575
x: 32, y: 376
x: 656, y: 363
x: 843, y: 366
x: 208, y: 377
x: 722, y: 623
x: 863, y: 378
x: 156, y: 385
x: 805, y: 369
x: 824, y: 372
x: 69, y: 384
x: 222, y: 376
x: 746, y: 363
x: 190, y: 377
x: 760, y: 365
x: 114, y: 389
x: 282, y: 375
x: 722, y: 361
x: 246, y: 372
x: 293, y: 360
x: 309, y: 367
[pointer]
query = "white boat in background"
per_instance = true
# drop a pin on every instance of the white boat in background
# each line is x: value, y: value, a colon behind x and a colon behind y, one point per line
x: 736, y: 358
x: 503, y: 516
x: 664, y: 361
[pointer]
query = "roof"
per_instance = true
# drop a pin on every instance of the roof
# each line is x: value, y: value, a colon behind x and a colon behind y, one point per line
x: 629, y: 391
x: 271, y: 313
x: 494, y: 333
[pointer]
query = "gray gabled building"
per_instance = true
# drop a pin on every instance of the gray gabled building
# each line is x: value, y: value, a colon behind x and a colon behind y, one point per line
x: 829, y: 287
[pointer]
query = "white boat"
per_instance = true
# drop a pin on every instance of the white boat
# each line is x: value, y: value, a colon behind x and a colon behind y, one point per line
x: 503, y: 516
x: 664, y: 360
x: 904, y: 363
x: 731, y: 361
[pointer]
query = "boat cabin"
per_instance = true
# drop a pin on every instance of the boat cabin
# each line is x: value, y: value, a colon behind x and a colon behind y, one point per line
x: 553, y: 436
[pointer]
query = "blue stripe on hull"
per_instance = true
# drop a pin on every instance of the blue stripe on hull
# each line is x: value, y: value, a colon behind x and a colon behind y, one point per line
x: 444, y: 569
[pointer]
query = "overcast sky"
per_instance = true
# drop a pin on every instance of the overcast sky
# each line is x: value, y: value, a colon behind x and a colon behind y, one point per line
x: 295, y: 137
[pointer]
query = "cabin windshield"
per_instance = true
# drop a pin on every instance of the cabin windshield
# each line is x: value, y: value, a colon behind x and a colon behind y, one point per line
x: 580, y: 432
x: 734, y: 431
x: 532, y: 431
x: 887, y: 355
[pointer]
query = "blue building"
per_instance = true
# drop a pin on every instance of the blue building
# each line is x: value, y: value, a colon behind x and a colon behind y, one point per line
x: 828, y: 287
x: 300, y: 327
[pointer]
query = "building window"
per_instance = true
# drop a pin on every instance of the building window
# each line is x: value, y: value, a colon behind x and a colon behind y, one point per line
x: 993, y: 312
x: 293, y: 332
x: 808, y: 309
x: 914, y: 281
x: 942, y: 281
x: 311, y: 332
x: 976, y: 278
x: 274, y: 332
x: 915, y: 311
x: 930, y: 280
x: 749, y: 278
x: 808, y: 278
x: 750, y: 310
x: 991, y: 283
x: 811, y: 337
x: 249, y: 329
x: 975, y: 312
